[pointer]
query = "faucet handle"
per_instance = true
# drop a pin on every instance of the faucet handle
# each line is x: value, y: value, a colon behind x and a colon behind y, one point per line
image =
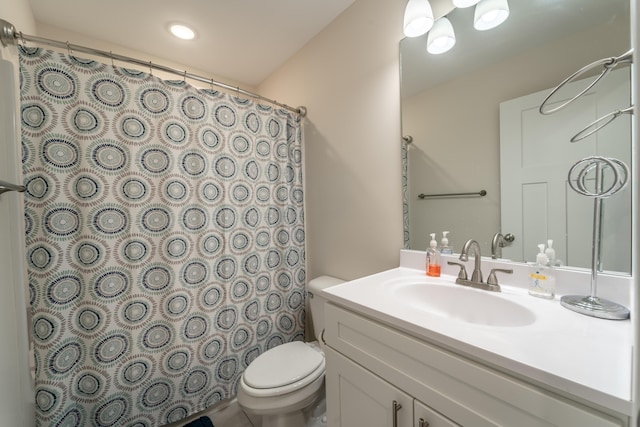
x: 462, y: 274
x: 493, y: 280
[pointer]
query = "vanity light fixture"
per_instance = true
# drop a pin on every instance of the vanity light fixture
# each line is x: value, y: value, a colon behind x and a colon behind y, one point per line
x: 490, y: 13
x: 182, y: 31
x: 418, y: 18
x: 441, y: 38
x: 464, y: 3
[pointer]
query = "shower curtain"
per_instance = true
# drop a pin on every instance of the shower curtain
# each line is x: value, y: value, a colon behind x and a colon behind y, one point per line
x: 165, y: 240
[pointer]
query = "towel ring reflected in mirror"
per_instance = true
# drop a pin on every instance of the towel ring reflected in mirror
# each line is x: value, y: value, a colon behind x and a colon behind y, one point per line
x: 598, y: 124
x: 607, y: 65
x: 578, y: 182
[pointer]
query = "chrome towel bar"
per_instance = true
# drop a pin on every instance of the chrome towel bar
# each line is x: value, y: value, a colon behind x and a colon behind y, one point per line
x: 480, y: 193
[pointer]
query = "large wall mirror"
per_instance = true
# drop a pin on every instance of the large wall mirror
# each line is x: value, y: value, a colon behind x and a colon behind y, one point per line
x: 472, y: 115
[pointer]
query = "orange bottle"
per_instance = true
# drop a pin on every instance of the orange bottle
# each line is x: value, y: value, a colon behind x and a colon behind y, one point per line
x: 433, y: 258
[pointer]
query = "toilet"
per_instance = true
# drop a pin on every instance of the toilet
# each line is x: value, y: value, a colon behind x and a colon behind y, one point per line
x: 281, y: 383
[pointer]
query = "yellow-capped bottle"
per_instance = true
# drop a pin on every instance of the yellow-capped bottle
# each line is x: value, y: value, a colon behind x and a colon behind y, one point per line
x: 542, y: 282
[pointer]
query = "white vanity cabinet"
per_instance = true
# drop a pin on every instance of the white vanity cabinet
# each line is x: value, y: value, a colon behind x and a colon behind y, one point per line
x: 427, y: 417
x: 370, y: 365
x: 358, y: 397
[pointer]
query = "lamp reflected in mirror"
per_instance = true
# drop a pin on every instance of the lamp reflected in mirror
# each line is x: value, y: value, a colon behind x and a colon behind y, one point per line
x: 441, y: 38
x: 490, y: 13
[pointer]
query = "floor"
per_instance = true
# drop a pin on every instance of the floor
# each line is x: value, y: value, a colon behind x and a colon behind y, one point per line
x: 228, y: 414
x: 224, y: 414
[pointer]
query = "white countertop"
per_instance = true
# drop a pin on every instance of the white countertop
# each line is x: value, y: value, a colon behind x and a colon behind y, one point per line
x: 584, y: 356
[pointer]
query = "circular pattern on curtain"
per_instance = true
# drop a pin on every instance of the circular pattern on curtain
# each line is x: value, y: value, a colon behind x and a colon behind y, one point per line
x: 165, y: 240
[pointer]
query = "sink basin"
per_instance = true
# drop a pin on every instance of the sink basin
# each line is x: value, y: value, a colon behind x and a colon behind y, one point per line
x: 463, y: 304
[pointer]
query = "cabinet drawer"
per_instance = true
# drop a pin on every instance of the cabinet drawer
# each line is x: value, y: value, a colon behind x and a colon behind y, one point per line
x: 469, y: 393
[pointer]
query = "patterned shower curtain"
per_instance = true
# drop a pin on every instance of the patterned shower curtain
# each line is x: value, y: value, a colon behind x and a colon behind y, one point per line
x: 165, y: 240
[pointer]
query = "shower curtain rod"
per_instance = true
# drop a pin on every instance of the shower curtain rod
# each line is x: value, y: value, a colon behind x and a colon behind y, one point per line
x: 9, y: 35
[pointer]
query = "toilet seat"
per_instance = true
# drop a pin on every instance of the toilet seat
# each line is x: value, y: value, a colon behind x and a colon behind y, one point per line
x: 283, y: 369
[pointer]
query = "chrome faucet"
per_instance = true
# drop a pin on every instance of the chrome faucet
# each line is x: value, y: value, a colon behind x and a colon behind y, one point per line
x: 498, y: 242
x: 476, y: 276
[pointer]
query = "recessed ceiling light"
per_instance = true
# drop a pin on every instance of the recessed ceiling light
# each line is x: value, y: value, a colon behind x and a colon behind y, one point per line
x: 182, y: 31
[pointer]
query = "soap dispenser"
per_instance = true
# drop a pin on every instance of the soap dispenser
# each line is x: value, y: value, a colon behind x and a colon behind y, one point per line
x: 445, y: 249
x: 433, y: 257
x: 542, y: 282
x: 550, y: 253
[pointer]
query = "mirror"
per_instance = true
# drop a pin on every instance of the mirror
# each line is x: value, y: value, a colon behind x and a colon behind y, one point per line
x: 451, y: 109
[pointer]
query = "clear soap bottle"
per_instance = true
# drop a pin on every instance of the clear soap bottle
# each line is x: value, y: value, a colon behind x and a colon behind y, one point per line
x: 433, y: 257
x: 444, y: 244
x: 542, y: 283
x: 550, y: 253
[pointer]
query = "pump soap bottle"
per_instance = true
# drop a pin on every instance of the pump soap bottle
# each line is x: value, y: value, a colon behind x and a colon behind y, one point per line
x: 542, y: 282
x: 445, y: 249
x: 433, y: 257
x: 550, y: 253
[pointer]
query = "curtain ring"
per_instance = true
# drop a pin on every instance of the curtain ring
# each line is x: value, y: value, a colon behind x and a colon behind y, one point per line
x: 211, y: 84
x: 111, y: 56
x: 238, y: 92
x: 184, y: 78
x: 150, y: 68
x: 69, y: 50
x: 24, y: 42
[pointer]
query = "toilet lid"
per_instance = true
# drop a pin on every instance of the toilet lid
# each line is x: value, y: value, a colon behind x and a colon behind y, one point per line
x: 282, y: 365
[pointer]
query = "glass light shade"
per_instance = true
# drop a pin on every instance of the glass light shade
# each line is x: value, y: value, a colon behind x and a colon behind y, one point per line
x: 182, y: 32
x: 490, y: 13
x: 464, y: 3
x: 441, y: 38
x: 418, y: 18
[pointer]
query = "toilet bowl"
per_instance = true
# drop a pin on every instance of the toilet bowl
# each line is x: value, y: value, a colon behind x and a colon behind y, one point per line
x: 281, y: 383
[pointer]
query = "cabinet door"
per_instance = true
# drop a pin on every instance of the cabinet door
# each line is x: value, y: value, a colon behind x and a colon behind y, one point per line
x: 427, y: 417
x: 467, y: 392
x: 356, y: 397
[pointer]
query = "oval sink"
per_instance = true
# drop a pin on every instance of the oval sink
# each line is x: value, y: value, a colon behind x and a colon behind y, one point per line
x: 464, y: 304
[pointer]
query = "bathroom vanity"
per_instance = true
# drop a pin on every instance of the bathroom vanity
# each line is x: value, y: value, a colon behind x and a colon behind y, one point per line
x: 408, y: 350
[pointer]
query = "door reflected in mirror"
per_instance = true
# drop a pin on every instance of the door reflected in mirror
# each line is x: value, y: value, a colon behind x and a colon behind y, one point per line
x: 451, y: 108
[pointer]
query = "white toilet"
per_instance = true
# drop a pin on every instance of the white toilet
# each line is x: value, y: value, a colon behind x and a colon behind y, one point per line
x: 284, y: 381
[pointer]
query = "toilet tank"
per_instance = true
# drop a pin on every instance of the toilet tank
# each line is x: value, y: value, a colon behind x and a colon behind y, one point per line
x: 316, y: 302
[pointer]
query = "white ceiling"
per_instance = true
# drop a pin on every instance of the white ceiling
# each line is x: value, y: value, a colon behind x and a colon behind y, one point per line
x: 241, y: 40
